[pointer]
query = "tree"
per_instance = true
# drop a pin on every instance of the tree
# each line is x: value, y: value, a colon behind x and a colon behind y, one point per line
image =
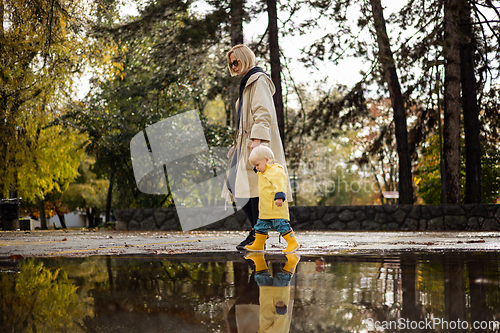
x: 87, y: 193
x: 389, y: 67
x: 157, y: 67
x: 470, y: 106
x: 452, y: 104
x: 41, y: 49
x: 38, y: 299
x: 274, y: 53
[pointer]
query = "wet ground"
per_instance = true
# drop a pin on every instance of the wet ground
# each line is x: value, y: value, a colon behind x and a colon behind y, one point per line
x: 82, y: 243
x: 106, y: 281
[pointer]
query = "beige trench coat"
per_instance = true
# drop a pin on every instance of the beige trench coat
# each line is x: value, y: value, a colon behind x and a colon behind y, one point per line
x: 258, y: 121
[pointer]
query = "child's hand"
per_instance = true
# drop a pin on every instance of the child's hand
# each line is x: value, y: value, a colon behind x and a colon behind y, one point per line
x: 278, y: 202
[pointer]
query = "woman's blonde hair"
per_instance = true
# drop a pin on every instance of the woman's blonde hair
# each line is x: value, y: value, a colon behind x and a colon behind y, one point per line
x: 243, y: 54
x: 260, y: 153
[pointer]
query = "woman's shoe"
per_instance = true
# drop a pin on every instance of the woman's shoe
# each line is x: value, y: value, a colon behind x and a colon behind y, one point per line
x: 249, y: 240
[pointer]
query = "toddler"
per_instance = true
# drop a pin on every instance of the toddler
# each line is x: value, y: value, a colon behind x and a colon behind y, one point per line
x: 273, y: 207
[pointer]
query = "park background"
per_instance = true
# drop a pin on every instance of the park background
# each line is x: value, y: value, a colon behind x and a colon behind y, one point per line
x: 370, y: 101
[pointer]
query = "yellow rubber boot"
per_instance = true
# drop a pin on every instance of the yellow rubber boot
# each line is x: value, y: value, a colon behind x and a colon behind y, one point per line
x: 258, y: 243
x: 291, y: 263
x: 293, y: 245
x: 258, y: 260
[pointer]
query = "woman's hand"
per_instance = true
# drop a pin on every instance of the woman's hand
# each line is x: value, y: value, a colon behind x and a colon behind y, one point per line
x: 278, y: 202
x: 255, y: 143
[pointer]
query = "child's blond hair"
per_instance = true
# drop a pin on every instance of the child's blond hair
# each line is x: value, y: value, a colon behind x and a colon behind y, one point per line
x: 260, y: 153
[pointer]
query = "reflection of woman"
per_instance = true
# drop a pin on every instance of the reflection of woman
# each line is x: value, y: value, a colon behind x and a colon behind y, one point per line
x: 256, y: 124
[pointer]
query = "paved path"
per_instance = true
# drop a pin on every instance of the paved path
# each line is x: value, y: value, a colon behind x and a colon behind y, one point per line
x: 83, y: 243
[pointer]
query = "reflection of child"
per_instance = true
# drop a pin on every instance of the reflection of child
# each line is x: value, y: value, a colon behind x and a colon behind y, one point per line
x: 273, y: 207
x: 274, y: 314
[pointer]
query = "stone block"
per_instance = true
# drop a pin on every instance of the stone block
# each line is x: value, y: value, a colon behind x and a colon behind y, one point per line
x: 120, y: 225
x: 353, y: 225
x: 435, y: 211
x: 148, y: 212
x: 370, y: 225
x: 302, y: 226
x: 134, y: 225
x: 389, y: 209
x: 346, y: 215
x: 479, y: 211
x: 338, y: 225
x: 149, y: 223
x: 381, y: 218
x: 124, y: 215
x: 318, y: 225
x: 452, y: 222
x: 302, y: 214
x: 391, y: 226
x: 321, y: 211
x: 410, y: 225
x: 170, y: 224
x: 422, y: 224
x: 436, y: 223
x: 370, y: 212
x: 160, y: 217
x: 330, y: 217
x: 138, y: 215
x: 473, y: 224
x: 399, y: 216
x: 453, y: 210
x: 313, y: 214
x: 425, y: 212
x: 360, y: 215
x: 415, y: 212
x: 490, y: 224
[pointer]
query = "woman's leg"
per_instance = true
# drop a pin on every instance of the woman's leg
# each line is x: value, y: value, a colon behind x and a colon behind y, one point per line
x: 251, y: 209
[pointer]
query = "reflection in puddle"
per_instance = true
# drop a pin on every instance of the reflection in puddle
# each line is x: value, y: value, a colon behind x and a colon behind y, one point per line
x: 216, y: 292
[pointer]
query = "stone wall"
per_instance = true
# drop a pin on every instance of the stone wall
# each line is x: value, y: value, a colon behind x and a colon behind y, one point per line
x: 387, y: 217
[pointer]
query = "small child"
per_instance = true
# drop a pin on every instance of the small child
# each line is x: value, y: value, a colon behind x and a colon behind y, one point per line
x: 273, y: 207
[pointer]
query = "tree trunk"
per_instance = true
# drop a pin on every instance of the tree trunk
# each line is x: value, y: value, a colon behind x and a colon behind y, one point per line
x: 237, y: 10
x: 274, y: 51
x: 391, y: 76
x: 61, y: 217
x: 470, y: 108
x: 90, y: 217
x: 109, y: 199
x: 408, y: 285
x: 452, y: 104
x: 454, y: 290
x: 237, y: 13
x: 43, y: 217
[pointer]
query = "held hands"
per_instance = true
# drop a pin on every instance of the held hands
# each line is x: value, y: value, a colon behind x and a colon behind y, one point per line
x: 278, y: 202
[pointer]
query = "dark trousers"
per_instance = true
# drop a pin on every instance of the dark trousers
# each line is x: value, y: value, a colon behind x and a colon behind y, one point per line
x: 251, y: 208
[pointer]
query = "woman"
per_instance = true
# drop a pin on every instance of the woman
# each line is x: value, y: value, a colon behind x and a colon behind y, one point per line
x: 256, y: 124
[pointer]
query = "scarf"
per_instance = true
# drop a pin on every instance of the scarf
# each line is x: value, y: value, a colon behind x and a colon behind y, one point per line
x: 243, y: 83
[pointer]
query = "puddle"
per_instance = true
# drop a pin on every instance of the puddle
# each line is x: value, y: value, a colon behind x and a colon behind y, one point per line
x: 221, y: 292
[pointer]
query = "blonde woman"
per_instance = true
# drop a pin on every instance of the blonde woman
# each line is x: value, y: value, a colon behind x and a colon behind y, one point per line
x: 256, y: 125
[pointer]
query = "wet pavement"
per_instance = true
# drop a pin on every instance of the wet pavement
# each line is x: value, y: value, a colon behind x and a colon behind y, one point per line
x: 109, y: 281
x: 83, y: 243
